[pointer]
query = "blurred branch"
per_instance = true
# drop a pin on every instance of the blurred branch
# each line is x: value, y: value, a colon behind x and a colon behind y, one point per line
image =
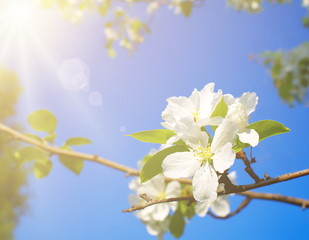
x: 153, y: 202
x: 241, y: 189
x: 243, y: 204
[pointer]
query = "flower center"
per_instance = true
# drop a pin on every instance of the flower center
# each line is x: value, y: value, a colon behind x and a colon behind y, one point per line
x: 161, y: 196
x: 203, y: 154
x: 196, y: 115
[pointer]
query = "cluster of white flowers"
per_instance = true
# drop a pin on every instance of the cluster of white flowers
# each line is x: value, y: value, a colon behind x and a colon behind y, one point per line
x: 208, y: 158
x: 155, y: 217
x: 189, y: 118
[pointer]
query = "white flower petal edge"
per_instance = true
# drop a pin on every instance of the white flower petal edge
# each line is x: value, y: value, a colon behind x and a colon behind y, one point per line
x: 221, y: 207
x: 224, y: 133
x: 205, y: 184
x: 250, y: 136
x: 180, y: 165
x: 224, y: 158
x: 249, y: 101
x: 201, y: 208
x: 161, y: 212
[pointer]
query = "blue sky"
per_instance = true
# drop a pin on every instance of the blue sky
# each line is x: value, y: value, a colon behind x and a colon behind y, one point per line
x: 179, y: 55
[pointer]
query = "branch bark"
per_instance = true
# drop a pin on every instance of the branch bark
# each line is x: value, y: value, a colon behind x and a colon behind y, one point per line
x: 243, y: 204
x: 242, y: 155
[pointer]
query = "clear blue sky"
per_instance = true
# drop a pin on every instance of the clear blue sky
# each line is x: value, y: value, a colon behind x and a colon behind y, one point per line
x: 179, y: 55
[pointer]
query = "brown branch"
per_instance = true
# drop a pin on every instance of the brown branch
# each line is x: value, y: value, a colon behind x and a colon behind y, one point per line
x: 55, y: 150
x: 153, y: 202
x: 243, y: 204
x: 303, y: 203
x: 241, y: 190
x: 278, y: 198
x: 242, y: 155
x: 266, y: 182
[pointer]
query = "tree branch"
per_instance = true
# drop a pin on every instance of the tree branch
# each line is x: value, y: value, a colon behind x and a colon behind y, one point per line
x: 241, y: 189
x: 278, y: 198
x: 153, y: 202
x: 242, y: 155
x: 266, y: 182
x: 243, y: 204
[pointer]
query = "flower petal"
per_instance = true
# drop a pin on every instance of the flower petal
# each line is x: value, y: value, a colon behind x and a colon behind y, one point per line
x: 173, y: 189
x: 201, y: 208
x: 250, y: 136
x: 224, y: 158
x: 249, y: 101
x: 223, y: 134
x: 205, y: 184
x: 160, y: 212
x: 221, y: 207
x: 180, y: 164
x: 154, y: 187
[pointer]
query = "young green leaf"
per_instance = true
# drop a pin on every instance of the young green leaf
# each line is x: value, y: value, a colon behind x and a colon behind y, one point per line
x: 50, y: 138
x: 153, y: 136
x: 221, y: 109
x: 187, y: 211
x: 77, y: 141
x: 265, y: 129
x: 27, y: 154
x: 74, y: 164
x: 153, y: 165
x: 43, y: 120
x: 42, y: 167
x: 177, y: 224
x: 268, y: 128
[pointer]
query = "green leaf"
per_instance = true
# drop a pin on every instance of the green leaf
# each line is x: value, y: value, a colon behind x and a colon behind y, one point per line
x: 186, y: 8
x: 42, y: 167
x: 74, y: 164
x: 153, y: 136
x: 187, y: 211
x: 177, y: 224
x: 27, y: 154
x: 77, y: 141
x: 153, y: 166
x: 50, y: 138
x: 43, y: 120
x: 265, y: 129
x: 268, y: 128
x: 221, y: 109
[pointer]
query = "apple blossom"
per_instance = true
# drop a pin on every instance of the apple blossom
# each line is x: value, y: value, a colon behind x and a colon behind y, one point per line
x: 239, y: 110
x: 203, y: 160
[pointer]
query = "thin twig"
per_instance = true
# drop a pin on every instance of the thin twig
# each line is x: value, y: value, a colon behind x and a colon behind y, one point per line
x: 153, y: 202
x: 242, y: 155
x: 277, y: 197
x: 266, y: 182
x: 243, y: 204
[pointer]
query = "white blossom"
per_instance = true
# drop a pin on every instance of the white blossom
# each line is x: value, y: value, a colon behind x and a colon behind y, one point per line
x: 203, y: 160
x: 198, y: 108
x: 239, y: 110
x: 155, y: 189
x: 221, y: 206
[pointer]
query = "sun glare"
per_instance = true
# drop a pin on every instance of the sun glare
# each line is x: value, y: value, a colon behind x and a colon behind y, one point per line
x: 18, y: 14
